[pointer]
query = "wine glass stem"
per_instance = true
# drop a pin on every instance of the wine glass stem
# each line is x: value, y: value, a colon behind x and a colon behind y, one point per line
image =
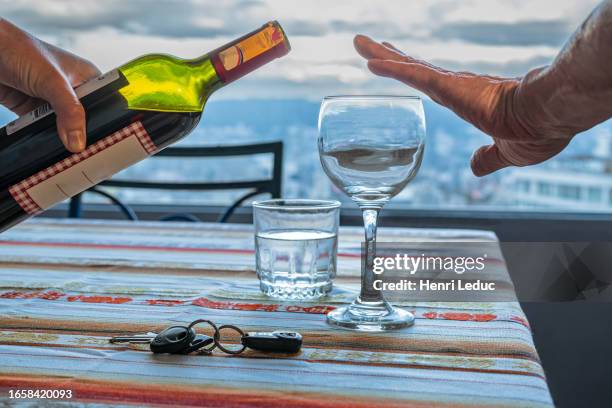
x: 368, y: 293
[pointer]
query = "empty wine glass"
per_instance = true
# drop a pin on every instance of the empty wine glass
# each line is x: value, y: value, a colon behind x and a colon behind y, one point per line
x: 371, y: 147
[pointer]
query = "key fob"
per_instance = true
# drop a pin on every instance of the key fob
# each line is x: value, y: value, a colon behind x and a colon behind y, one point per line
x: 172, y: 340
x: 278, y: 341
x: 200, y: 341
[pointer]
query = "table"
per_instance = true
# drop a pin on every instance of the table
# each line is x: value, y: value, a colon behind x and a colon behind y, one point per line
x: 66, y: 286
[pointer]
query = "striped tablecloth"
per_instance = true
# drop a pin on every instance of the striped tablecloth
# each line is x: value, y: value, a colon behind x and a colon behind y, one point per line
x: 65, y: 287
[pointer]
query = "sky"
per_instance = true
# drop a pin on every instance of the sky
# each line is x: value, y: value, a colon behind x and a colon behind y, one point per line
x: 501, y: 37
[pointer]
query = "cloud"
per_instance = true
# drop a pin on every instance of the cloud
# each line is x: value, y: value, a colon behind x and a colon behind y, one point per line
x: 175, y: 19
x: 300, y: 27
x: 522, y: 33
x: 491, y: 36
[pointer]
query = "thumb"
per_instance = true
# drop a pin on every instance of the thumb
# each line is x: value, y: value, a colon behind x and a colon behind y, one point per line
x: 487, y: 159
x: 69, y: 111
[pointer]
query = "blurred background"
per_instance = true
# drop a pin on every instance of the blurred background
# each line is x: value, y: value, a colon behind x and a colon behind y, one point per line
x: 281, y: 100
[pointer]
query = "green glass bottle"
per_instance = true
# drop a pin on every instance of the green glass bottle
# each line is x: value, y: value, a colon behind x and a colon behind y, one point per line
x: 132, y: 112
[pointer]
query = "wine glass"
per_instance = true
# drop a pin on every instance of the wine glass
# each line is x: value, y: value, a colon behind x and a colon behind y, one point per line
x: 371, y: 147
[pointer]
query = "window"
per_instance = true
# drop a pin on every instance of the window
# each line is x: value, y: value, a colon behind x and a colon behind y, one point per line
x: 569, y: 192
x: 281, y: 100
x: 544, y: 189
x: 524, y: 186
x: 594, y: 194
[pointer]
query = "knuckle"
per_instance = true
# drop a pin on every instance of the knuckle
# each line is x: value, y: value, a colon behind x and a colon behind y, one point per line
x: 72, y: 110
x: 75, y: 109
x: 87, y: 70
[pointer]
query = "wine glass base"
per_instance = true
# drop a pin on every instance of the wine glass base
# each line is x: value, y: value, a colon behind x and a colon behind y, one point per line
x: 372, y: 317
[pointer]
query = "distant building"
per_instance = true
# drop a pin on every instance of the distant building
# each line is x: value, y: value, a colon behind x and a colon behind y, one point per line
x: 578, y: 184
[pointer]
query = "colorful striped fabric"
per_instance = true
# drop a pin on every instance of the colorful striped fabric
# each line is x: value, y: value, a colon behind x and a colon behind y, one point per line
x: 66, y: 286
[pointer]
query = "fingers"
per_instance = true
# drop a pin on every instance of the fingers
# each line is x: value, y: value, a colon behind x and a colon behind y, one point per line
x: 386, y: 60
x: 84, y: 74
x: 32, y: 68
x: 73, y: 71
x: 389, y: 45
x: 77, y: 70
x: 17, y: 101
x: 370, y: 49
x: 29, y: 105
x: 487, y: 160
x: 69, y: 111
x: 422, y: 77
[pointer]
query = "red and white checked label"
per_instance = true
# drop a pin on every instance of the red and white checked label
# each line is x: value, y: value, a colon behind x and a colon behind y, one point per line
x: 82, y: 170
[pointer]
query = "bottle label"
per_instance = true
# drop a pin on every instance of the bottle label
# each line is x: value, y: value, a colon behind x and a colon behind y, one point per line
x: 82, y: 170
x: 251, y: 47
x: 45, y: 109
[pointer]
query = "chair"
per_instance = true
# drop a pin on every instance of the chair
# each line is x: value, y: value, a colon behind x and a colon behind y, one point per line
x: 271, y: 186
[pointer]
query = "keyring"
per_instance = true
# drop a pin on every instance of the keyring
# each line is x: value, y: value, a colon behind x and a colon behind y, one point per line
x: 218, y: 336
x: 215, y: 335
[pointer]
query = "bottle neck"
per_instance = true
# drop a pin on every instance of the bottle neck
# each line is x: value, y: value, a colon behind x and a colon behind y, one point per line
x: 255, y: 49
x: 168, y: 84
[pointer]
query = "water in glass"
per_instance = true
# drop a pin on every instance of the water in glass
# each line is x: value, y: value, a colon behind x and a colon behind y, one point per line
x: 298, y: 264
x: 372, y: 174
x: 296, y: 241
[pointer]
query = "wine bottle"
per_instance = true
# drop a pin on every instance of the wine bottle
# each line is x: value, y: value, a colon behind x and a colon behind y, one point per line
x: 132, y: 112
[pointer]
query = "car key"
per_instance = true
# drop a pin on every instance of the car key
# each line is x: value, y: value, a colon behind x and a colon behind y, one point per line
x: 172, y: 340
x: 277, y: 341
x: 200, y: 341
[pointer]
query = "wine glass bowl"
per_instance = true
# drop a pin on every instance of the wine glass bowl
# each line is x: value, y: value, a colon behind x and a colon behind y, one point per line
x: 371, y: 147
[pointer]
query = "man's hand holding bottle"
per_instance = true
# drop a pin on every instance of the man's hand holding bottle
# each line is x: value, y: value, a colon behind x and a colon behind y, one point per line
x: 32, y: 72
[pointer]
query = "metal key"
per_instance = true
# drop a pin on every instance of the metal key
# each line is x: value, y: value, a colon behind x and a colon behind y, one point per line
x: 145, y: 338
x: 278, y: 341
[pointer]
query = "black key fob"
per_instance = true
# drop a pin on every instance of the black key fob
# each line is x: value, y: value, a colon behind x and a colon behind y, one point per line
x: 278, y: 341
x: 200, y: 341
x: 172, y: 340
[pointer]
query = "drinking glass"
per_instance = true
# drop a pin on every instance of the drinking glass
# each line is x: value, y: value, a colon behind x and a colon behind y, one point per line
x: 296, y: 242
x: 371, y: 147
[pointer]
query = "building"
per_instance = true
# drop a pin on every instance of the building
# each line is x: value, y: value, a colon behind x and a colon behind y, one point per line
x: 578, y: 184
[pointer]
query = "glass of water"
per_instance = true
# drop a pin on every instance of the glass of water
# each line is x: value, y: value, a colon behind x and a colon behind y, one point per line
x: 296, y: 242
x: 371, y: 147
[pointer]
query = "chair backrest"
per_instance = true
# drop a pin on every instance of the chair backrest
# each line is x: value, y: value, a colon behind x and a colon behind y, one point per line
x: 258, y: 186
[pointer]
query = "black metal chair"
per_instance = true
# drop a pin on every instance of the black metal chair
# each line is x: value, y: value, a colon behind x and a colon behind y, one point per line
x: 256, y: 187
